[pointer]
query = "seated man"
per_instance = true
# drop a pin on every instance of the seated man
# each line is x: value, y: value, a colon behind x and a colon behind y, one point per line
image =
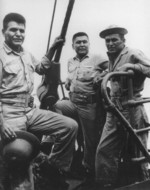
x: 83, y: 69
x: 16, y: 85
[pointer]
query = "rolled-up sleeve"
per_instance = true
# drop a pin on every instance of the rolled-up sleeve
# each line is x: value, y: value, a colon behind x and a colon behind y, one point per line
x: 142, y: 64
x: 43, y: 66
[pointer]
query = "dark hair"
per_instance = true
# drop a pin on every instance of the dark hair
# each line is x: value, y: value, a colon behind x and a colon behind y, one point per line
x: 13, y: 17
x: 79, y: 34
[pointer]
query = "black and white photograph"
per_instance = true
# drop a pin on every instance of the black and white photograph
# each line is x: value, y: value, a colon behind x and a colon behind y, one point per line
x: 74, y: 95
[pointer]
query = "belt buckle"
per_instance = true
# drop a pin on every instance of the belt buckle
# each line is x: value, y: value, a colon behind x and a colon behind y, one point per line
x: 85, y: 98
x: 30, y: 101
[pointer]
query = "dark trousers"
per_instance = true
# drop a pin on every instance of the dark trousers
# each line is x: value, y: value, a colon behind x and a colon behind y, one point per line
x: 86, y: 115
x: 111, y: 147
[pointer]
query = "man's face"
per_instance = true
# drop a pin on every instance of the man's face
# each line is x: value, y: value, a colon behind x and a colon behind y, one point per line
x: 114, y: 43
x: 14, y: 35
x: 81, y: 45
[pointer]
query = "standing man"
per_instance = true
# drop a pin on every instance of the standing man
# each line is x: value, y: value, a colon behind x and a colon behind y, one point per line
x: 113, y: 139
x: 18, y: 113
x: 83, y: 70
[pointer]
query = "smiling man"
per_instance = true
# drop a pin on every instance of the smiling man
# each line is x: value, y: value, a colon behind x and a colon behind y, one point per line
x: 14, y: 34
x: 16, y: 85
x: 82, y: 72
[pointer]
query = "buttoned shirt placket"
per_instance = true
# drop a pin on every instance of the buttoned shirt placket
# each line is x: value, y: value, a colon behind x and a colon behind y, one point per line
x: 79, y: 65
x: 27, y: 78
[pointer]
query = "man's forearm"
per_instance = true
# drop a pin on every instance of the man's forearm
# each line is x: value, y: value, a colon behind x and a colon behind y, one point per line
x: 50, y: 53
x: 142, y: 69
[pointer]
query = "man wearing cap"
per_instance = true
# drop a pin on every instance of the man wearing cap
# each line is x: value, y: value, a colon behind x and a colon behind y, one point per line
x: 16, y: 85
x: 122, y: 58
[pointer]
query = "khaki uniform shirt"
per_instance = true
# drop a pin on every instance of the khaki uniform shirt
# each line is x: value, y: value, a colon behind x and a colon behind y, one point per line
x: 141, y: 63
x: 82, y: 72
x: 17, y: 78
x: 18, y: 69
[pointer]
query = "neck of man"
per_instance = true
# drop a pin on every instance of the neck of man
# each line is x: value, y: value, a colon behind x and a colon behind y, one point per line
x: 113, y: 56
x: 81, y: 56
x: 17, y: 49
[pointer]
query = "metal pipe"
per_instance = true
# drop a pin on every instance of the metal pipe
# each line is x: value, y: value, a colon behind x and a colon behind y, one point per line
x: 51, y: 26
x: 115, y: 110
x: 138, y: 131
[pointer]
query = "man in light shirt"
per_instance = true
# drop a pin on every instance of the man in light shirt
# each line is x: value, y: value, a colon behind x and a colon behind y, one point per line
x: 18, y: 67
x: 83, y: 70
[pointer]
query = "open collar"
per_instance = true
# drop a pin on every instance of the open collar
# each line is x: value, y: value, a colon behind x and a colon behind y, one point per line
x: 114, y: 64
x: 8, y: 50
x: 86, y: 56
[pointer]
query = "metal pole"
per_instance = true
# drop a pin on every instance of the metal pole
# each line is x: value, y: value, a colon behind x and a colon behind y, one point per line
x: 51, y: 26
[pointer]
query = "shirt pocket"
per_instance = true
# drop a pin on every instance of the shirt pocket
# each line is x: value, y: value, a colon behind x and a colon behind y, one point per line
x: 72, y: 68
x: 12, y: 67
x: 12, y: 74
x: 86, y: 73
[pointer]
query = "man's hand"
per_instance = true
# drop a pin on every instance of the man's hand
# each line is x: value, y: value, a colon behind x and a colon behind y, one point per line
x: 98, y: 79
x: 126, y: 67
x: 97, y: 82
x: 67, y: 84
x: 57, y: 43
x: 8, y: 133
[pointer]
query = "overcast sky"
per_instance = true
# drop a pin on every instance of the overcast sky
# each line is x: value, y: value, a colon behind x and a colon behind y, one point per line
x: 90, y: 16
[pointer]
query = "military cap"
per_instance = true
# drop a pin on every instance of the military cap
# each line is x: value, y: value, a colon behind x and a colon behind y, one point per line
x: 113, y: 29
x: 22, y: 149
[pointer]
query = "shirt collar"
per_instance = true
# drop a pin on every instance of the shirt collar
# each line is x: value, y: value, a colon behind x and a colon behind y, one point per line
x: 123, y: 51
x: 86, y: 56
x: 9, y: 50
